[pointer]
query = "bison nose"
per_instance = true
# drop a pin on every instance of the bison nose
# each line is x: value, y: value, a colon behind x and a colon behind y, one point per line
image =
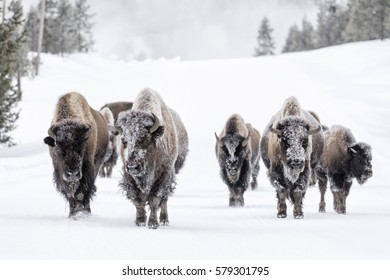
x: 72, y: 175
x: 134, y: 168
x: 296, y: 163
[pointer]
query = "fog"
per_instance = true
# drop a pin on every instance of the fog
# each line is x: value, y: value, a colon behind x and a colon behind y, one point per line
x: 190, y: 29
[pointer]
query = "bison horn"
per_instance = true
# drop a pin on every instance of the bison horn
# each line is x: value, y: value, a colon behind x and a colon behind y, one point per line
x: 51, y: 133
x: 274, y: 130
x: 246, y: 140
x: 218, y: 140
x: 156, y: 124
x: 314, y: 131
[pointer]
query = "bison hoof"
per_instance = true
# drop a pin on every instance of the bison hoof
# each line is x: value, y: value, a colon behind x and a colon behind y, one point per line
x: 140, y: 223
x: 254, y: 186
x: 322, y: 208
x: 298, y: 216
x: 282, y: 215
x: 153, y: 225
x: 164, y: 222
x: 79, y: 215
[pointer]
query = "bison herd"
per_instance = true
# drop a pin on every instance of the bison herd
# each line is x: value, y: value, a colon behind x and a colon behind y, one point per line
x: 152, y: 142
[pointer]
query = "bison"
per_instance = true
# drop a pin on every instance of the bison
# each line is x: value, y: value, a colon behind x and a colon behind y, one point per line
x: 291, y: 148
x: 342, y: 160
x: 154, y: 147
x: 115, y: 108
x: 238, y: 153
x: 111, y: 155
x: 78, y: 140
x: 118, y: 107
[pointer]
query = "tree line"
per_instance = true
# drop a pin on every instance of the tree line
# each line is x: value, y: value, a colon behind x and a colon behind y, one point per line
x: 358, y: 20
x: 67, y: 28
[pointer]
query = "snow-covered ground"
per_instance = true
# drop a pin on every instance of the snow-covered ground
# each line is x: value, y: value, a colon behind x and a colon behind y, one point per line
x: 347, y: 85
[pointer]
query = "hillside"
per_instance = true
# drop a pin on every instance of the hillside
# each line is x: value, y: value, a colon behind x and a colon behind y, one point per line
x: 346, y: 85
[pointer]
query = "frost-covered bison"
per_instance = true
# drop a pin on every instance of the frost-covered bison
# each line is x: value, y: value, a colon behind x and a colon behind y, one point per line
x: 111, y: 154
x: 154, y: 147
x: 342, y: 160
x: 238, y: 153
x: 115, y: 108
x: 291, y: 148
x: 77, y: 141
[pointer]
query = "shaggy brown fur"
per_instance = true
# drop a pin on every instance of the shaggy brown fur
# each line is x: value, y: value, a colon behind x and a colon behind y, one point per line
x: 78, y: 141
x: 154, y: 145
x: 343, y: 159
x: 238, y: 153
x: 291, y: 148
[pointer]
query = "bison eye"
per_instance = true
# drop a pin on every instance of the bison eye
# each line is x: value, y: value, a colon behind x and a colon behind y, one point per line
x: 124, y: 143
x: 305, y: 143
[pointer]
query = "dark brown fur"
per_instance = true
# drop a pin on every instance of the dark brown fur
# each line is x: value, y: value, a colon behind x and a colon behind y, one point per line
x: 154, y: 147
x: 238, y: 153
x: 77, y: 142
x: 291, y: 148
x: 343, y: 159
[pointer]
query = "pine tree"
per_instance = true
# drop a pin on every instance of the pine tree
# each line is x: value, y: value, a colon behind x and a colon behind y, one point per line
x: 11, y: 41
x: 83, y: 25
x: 64, y: 28
x: 307, y: 36
x: 50, y: 35
x: 368, y: 20
x: 266, y: 45
x: 32, y: 29
x: 292, y: 43
x: 332, y: 19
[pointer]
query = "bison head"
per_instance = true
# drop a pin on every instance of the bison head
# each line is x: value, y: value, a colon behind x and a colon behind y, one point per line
x: 360, y: 154
x: 294, y: 144
x: 68, y: 141
x: 140, y: 132
x: 232, y: 154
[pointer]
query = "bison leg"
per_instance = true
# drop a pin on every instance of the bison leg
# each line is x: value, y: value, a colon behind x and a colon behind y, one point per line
x: 164, y: 221
x: 322, y: 182
x: 255, y: 172
x: 140, y: 219
x: 154, y: 203
x: 102, y: 171
x: 236, y: 198
x: 110, y: 166
x: 282, y: 206
x: 298, y: 197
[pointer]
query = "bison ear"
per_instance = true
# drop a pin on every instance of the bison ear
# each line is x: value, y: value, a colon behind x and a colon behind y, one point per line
x: 87, y: 130
x: 277, y: 130
x: 158, y: 132
x: 354, y: 149
x: 49, y: 141
x: 121, y: 120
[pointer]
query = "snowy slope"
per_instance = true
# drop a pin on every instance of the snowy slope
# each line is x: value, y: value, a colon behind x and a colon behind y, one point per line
x: 347, y: 85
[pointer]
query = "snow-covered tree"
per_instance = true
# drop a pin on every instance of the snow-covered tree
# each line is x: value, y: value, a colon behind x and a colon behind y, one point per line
x: 83, y: 26
x: 368, y: 20
x: 32, y: 29
x: 332, y: 19
x: 266, y: 45
x: 292, y: 40
x: 64, y: 28
x: 11, y: 42
x: 300, y: 40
